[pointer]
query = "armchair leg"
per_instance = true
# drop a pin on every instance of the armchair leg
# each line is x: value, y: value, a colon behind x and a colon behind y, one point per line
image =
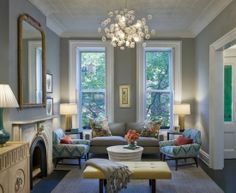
x: 79, y: 161
x: 176, y: 164
x: 196, y: 161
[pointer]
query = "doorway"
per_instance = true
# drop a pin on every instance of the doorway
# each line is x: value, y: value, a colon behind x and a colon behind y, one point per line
x: 216, y: 99
x: 229, y: 59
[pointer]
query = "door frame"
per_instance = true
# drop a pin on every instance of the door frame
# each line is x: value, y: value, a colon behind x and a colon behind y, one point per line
x: 216, y: 106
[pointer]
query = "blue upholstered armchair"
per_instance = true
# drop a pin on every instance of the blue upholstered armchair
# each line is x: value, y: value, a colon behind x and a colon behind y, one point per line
x: 77, y: 150
x: 171, y: 150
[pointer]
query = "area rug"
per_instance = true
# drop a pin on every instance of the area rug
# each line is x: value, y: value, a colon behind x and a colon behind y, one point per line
x: 188, y: 179
x: 46, y: 185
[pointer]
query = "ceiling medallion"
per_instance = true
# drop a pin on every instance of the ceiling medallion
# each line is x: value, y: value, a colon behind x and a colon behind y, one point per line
x: 124, y: 30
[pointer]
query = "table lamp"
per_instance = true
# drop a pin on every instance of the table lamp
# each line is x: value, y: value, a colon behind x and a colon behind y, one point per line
x: 181, y: 110
x: 7, y: 100
x: 68, y: 109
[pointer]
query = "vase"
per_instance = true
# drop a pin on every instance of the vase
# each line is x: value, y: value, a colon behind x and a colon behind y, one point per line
x: 132, y: 144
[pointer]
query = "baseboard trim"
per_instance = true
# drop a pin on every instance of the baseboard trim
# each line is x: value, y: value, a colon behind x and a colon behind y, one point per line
x: 204, y: 156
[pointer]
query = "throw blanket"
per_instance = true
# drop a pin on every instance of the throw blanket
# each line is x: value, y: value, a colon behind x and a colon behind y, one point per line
x: 117, y: 175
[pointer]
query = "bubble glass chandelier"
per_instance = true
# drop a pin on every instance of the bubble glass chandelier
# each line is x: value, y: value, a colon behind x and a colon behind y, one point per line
x: 124, y: 30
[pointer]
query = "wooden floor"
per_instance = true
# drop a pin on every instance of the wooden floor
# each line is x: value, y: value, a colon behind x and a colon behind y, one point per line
x: 226, y: 178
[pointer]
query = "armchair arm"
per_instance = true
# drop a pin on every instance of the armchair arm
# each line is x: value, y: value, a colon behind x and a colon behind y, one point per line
x: 167, y: 143
x: 80, y: 141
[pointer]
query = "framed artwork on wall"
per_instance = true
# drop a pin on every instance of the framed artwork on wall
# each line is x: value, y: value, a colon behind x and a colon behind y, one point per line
x: 49, y: 83
x: 124, y: 92
x: 49, y: 106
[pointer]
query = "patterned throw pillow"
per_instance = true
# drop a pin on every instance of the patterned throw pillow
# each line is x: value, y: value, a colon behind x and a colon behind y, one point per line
x: 151, y: 129
x: 100, y: 128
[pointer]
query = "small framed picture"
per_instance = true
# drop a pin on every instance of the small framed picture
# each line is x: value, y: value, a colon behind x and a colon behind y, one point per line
x: 49, y: 106
x: 124, y: 91
x: 49, y: 83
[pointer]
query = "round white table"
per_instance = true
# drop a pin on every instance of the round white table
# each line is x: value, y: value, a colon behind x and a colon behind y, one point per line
x: 119, y: 153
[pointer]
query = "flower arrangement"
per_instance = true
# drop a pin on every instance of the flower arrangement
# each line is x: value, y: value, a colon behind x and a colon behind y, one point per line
x: 131, y: 136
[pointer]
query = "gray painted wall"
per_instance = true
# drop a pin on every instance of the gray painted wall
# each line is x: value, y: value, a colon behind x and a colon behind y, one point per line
x: 17, y: 7
x: 125, y: 73
x: 4, y: 36
x: 221, y: 25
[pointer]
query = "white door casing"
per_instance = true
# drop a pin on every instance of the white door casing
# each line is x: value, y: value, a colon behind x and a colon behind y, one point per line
x: 230, y: 127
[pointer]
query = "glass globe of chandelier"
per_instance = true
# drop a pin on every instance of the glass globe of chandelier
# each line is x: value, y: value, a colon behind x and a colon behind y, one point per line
x: 122, y: 28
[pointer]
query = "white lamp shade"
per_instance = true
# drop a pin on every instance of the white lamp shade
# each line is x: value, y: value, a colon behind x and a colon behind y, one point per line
x: 7, y: 97
x: 68, y: 109
x: 182, y: 109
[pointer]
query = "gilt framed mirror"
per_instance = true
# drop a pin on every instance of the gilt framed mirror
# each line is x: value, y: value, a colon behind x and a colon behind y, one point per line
x: 31, y: 63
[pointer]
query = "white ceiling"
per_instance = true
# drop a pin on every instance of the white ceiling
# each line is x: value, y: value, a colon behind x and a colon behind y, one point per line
x: 171, y: 18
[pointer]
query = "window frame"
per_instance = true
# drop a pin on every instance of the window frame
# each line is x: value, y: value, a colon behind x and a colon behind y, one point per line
x: 74, y: 74
x: 176, y: 72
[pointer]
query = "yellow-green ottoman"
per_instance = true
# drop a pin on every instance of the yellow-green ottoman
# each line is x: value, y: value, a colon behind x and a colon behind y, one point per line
x: 150, y: 170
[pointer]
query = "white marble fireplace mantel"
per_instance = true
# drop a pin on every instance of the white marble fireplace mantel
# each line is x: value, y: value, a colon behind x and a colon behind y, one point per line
x: 29, y: 130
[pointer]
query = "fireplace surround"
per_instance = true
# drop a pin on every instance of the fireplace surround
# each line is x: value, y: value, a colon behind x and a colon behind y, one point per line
x: 38, y: 133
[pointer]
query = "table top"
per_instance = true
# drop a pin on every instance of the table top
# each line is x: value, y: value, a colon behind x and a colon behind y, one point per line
x: 174, y: 132
x: 121, y: 149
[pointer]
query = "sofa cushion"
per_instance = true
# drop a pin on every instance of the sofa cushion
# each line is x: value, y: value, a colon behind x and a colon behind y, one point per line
x: 108, y: 141
x: 117, y: 129
x: 148, y: 142
x: 138, y: 126
x: 100, y: 128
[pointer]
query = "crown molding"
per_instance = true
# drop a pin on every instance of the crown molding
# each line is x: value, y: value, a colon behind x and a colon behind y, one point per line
x: 86, y: 34
x: 209, y: 13
x: 54, y: 25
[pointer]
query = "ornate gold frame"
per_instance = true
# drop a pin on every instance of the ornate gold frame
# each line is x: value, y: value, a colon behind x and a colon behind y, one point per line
x: 27, y: 18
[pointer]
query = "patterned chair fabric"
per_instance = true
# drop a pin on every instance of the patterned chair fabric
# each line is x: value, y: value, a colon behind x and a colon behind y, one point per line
x: 169, y: 148
x: 78, y: 149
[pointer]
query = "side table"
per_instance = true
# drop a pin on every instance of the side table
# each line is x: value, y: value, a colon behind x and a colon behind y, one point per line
x: 75, y: 133
x: 173, y: 133
x: 119, y: 153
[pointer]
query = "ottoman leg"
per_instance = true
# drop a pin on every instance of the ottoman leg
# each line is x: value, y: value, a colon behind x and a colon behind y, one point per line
x: 101, y: 183
x: 153, y: 185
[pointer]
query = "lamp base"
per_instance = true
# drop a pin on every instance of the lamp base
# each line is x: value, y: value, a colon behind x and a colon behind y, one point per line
x: 4, y: 135
x: 181, y: 123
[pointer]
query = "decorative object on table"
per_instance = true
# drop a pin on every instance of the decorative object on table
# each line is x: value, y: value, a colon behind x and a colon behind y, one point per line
x: 151, y: 129
x: 124, y: 95
x: 124, y: 30
x: 131, y: 137
x: 49, y: 83
x: 99, y: 128
x: 68, y: 109
x: 181, y: 110
x: 49, y: 106
x: 7, y: 100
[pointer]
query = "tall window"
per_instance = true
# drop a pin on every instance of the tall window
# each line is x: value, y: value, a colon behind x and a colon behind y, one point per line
x: 159, y: 81
x: 92, y: 67
x: 91, y: 80
x: 158, y: 85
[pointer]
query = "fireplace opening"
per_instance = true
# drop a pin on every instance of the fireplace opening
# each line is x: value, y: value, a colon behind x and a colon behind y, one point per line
x: 38, y: 160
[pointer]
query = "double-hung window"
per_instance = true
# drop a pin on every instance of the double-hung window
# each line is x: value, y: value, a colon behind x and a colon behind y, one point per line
x: 93, y: 70
x: 158, y: 85
x: 158, y: 81
x: 92, y: 67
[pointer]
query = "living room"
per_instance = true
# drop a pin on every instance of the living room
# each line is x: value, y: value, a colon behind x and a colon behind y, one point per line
x: 195, y: 38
